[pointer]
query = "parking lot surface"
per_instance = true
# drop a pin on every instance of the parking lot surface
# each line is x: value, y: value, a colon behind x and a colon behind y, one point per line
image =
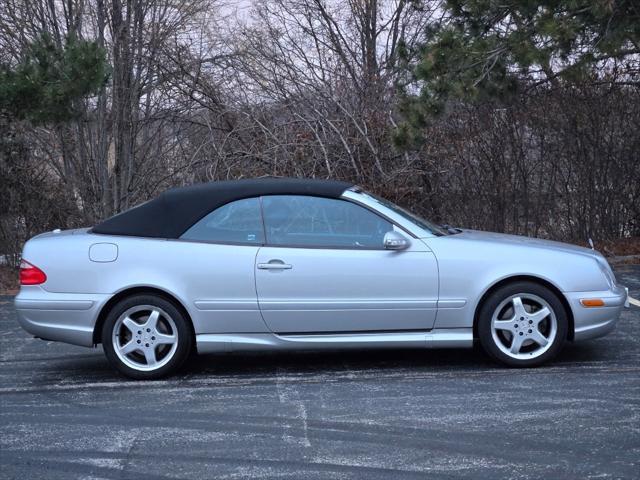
x: 64, y: 413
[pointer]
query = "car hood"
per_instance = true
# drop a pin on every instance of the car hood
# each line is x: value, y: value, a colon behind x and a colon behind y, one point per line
x: 516, y: 240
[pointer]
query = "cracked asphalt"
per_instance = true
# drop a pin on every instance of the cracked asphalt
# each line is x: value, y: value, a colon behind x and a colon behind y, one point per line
x: 65, y: 414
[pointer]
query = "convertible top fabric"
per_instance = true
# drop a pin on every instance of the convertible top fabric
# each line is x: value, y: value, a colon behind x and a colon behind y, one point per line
x: 174, y: 211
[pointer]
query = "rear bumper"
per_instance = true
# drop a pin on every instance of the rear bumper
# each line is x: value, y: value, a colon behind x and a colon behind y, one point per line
x: 594, y: 322
x: 62, y: 317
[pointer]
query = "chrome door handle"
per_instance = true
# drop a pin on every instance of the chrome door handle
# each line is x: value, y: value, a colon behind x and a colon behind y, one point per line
x: 274, y: 265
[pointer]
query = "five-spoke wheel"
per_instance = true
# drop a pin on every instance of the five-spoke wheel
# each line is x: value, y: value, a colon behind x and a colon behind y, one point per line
x: 522, y: 324
x: 146, y: 336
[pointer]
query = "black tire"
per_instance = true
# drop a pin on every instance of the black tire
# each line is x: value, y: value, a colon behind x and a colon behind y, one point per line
x: 182, y: 325
x: 493, y: 302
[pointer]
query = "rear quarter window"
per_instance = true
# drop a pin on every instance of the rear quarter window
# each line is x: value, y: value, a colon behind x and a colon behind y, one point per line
x: 238, y: 222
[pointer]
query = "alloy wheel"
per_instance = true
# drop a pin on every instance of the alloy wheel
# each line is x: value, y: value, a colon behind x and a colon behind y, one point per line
x: 145, y: 338
x: 524, y: 326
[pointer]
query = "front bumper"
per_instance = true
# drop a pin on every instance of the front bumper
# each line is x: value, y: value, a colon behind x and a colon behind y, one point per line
x: 63, y: 317
x: 594, y: 322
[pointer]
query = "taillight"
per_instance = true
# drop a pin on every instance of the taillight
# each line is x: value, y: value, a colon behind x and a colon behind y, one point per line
x: 30, y: 274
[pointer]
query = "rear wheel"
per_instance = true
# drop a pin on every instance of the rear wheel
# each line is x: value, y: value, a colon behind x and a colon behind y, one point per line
x: 146, y: 337
x: 522, y: 324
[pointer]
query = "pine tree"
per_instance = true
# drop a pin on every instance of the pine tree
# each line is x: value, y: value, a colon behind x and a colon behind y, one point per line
x: 491, y: 49
x: 45, y: 85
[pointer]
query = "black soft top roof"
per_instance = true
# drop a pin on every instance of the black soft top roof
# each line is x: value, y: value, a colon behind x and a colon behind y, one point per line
x: 174, y: 211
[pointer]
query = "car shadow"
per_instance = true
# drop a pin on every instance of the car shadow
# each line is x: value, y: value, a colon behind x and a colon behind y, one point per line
x: 599, y: 350
x: 95, y: 368
x: 336, y: 362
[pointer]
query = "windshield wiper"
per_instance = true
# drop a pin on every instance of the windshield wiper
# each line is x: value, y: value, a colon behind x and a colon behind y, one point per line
x: 451, y: 230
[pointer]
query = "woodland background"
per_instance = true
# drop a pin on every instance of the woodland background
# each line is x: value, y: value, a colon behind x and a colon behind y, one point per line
x: 511, y: 116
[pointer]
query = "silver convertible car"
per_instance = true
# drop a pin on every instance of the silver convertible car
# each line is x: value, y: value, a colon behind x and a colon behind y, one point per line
x: 275, y: 264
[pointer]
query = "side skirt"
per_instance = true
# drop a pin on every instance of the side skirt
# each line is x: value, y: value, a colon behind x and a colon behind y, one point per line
x: 437, y: 338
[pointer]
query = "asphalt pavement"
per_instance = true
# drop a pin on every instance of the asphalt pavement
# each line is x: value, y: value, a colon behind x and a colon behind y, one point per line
x: 65, y: 414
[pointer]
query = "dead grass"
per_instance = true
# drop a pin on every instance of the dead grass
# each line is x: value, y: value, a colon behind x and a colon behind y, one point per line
x: 8, y: 280
x: 619, y: 248
x: 622, y: 251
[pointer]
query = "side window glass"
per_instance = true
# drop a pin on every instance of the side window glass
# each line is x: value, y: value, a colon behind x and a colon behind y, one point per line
x: 296, y: 220
x: 235, y: 222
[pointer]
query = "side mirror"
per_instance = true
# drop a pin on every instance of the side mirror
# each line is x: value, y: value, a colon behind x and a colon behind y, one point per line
x: 395, y: 241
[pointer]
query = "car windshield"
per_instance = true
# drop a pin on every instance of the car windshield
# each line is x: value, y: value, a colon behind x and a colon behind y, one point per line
x: 421, y: 222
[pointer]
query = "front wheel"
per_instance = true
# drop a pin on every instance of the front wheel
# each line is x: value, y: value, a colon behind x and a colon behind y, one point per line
x: 146, y: 337
x: 522, y: 324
